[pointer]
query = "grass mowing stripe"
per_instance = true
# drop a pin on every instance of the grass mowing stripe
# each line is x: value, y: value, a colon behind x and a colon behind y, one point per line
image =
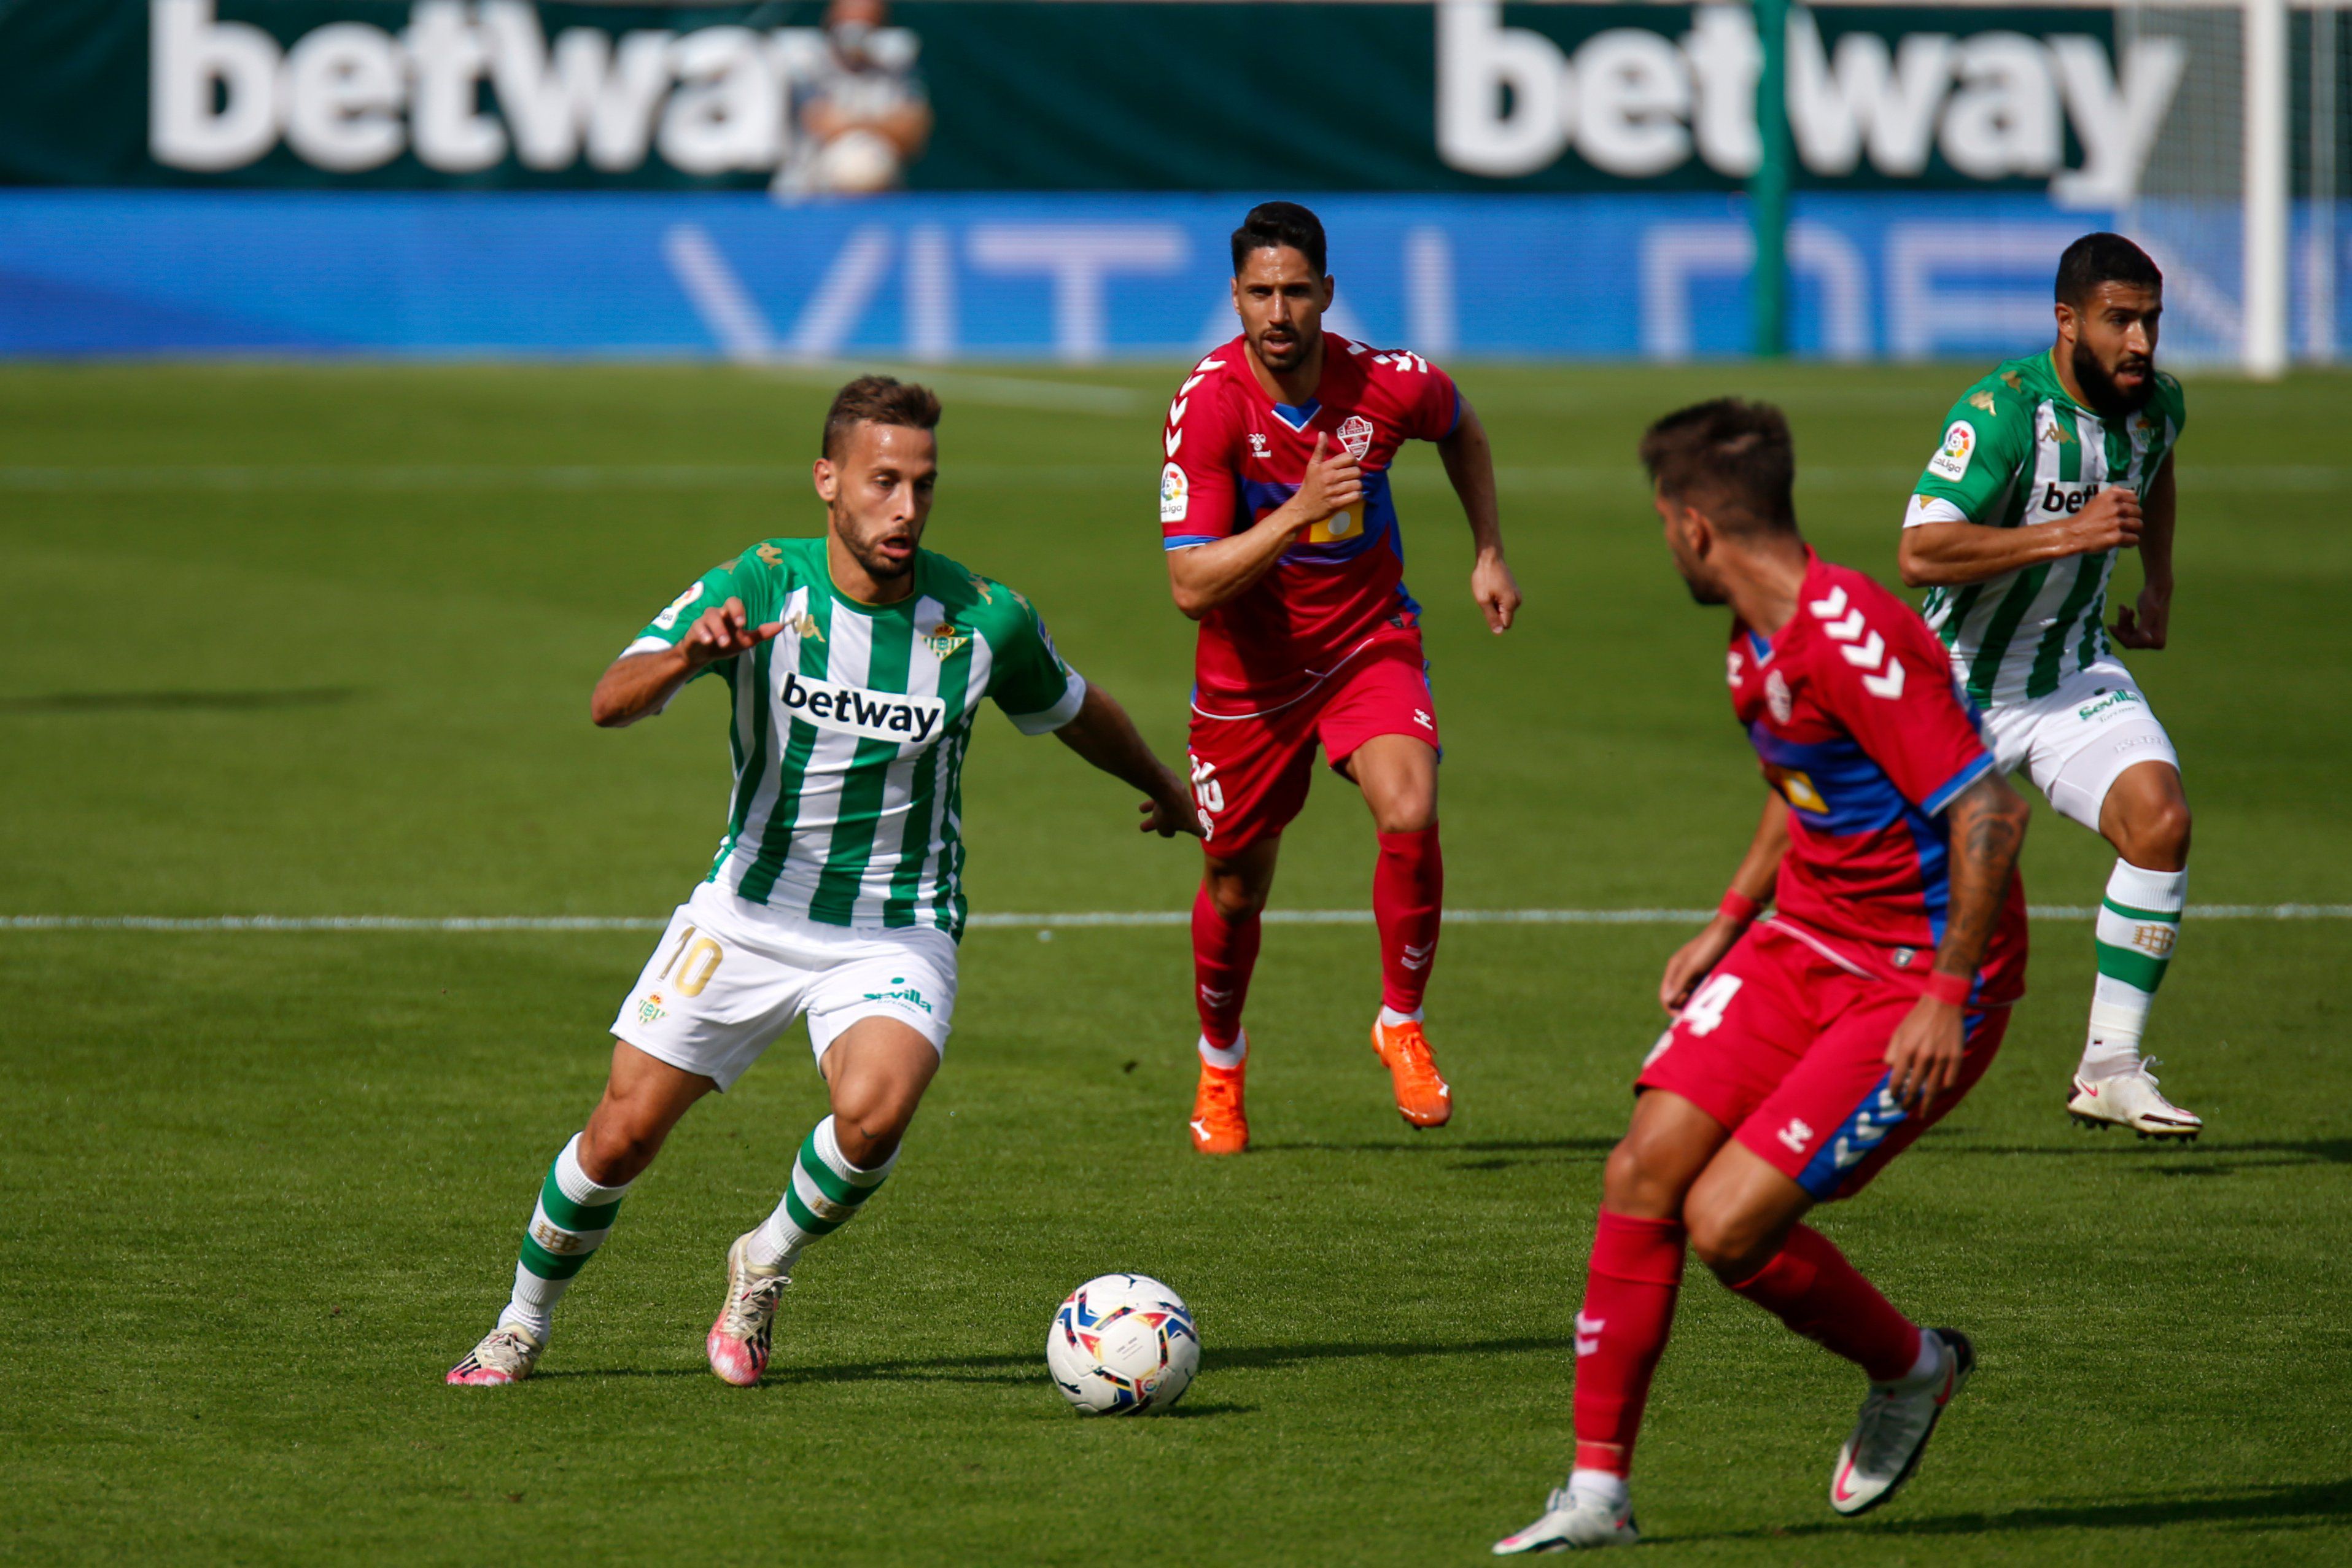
x: 398, y: 477
x: 1012, y: 920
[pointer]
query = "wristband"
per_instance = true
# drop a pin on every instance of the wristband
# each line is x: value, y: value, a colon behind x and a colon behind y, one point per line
x: 1738, y: 908
x: 1951, y: 988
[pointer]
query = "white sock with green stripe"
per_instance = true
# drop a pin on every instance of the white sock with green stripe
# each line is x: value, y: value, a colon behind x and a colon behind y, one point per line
x: 825, y: 1193
x: 574, y: 1216
x: 2139, y: 920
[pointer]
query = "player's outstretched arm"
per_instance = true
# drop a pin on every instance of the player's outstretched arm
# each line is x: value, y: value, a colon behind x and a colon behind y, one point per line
x: 1987, y: 822
x: 1750, y: 891
x: 1204, y: 576
x: 1106, y: 737
x: 2148, y: 623
x: 642, y: 683
x: 1469, y: 459
x: 1947, y: 554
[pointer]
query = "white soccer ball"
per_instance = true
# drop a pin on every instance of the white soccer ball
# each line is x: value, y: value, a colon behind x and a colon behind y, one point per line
x: 1122, y: 1344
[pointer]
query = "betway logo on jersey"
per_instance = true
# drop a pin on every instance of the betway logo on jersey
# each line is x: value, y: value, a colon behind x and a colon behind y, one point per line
x: 2065, y: 501
x: 853, y: 710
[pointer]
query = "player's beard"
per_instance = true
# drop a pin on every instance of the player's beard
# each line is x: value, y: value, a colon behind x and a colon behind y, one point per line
x: 867, y: 554
x: 2099, y: 388
x: 1294, y: 352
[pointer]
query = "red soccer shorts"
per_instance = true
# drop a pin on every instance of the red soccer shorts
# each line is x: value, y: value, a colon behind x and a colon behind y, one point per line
x: 1787, y: 1047
x: 1250, y: 774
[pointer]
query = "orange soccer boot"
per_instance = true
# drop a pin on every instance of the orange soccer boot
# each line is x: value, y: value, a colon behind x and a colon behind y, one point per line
x: 1219, y: 1124
x: 1422, y: 1097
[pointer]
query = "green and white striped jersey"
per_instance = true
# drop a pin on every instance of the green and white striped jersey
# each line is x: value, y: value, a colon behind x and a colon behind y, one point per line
x: 2017, y: 452
x: 849, y: 729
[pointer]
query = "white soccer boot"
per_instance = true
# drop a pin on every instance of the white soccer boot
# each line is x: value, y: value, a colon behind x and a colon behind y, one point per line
x: 1573, y: 1519
x: 506, y: 1354
x: 2131, y: 1100
x: 1897, y: 1420
x: 738, y: 1342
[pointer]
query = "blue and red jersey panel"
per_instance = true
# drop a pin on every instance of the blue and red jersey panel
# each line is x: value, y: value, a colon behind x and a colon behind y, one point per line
x: 1853, y: 712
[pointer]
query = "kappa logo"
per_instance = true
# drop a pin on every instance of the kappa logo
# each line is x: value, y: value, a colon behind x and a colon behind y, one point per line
x: 2013, y: 381
x: 1864, y: 649
x: 1983, y: 400
x: 854, y: 710
x: 979, y: 586
x: 1175, y: 494
x: 2057, y: 430
x: 1796, y: 1135
x: 1356, y: 435
x: 771, y: 554
x: 1951, y: 460
x: 947, y: 638
x: 804, y: 627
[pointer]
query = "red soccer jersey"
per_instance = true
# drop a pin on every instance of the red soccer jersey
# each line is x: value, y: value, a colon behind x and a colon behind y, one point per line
x: 1852, y: 708
x: 1235, y: 455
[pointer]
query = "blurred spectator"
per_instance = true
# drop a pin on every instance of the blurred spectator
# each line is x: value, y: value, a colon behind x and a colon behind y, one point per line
x: 860, y: 113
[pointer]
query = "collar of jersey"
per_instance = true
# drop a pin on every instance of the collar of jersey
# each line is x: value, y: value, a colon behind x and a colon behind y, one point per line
x: 1299, y: 417
x: 896, y: 606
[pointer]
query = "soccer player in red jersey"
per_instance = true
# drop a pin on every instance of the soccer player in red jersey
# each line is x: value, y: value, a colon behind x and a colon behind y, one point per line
x: 1810, y: 1047
x: 1282, y: 544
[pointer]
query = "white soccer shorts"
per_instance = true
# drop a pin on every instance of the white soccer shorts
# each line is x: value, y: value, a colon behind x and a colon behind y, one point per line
x: 728, y: 976
x: 2076, y: 741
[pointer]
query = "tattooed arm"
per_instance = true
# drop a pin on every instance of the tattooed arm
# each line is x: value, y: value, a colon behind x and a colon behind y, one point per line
x: 1988, y: 827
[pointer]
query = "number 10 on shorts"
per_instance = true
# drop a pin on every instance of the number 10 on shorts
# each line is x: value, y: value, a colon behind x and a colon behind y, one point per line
x: 696, y: 958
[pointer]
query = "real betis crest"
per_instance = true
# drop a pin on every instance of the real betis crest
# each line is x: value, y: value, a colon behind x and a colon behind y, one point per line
x: 946, y: 638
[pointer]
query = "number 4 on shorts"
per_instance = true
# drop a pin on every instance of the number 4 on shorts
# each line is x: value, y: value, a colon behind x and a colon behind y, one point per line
x: 1704, y: 1011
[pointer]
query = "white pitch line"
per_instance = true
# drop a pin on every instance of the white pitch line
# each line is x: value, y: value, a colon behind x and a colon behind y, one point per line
x: 1004, y: 920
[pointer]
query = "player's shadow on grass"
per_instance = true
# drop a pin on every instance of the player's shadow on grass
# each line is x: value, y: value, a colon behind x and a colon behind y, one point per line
x: 178, y: 701
x: 1506, y: 1152
x: 2295, y: 1506
x: 2198, y: 1159
x: 1023, y: 1367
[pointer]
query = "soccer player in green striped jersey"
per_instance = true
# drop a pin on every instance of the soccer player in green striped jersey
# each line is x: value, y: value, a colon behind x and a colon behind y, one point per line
x: 855, y: 666
x: 2049, y: 468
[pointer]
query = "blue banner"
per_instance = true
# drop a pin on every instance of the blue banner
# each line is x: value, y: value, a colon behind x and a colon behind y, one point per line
x: 1073, y: 279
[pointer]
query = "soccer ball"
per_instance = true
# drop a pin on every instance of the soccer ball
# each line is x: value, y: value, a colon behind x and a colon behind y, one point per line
x: 1122, y: 1345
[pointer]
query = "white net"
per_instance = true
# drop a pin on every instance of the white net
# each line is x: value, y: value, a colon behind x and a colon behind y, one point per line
x: 2188, y: 212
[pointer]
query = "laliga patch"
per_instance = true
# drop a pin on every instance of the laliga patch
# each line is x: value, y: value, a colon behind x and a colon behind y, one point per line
x: 1951, y: 460
x: 668, y: 617
x: 1175, y: 494
x: 1356, y: 435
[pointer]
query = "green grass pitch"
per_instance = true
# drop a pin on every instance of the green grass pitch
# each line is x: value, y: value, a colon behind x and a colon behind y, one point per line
x: 310, y: 641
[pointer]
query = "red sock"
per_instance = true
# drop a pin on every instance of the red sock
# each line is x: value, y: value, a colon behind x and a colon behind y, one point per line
x: 1629, y: 1309
x: 1809, y: 1286
x: 1224, y: 953
x: 1408, y: 893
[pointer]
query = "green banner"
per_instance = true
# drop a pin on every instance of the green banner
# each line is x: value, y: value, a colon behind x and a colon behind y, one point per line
x: 1013, y: 95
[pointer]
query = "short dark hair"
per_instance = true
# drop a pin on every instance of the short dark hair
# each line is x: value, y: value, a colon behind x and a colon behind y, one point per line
x: 1275, y: 224
x: 878, y: 400
x: 1734, y: 457
x: 2103, y: 257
